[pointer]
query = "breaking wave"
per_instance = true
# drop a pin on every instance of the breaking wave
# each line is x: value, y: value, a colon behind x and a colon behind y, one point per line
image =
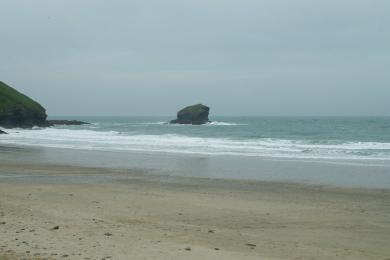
x: 174, y: 143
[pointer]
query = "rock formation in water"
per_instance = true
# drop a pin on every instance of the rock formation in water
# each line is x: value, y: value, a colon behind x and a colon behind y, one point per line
x: 66, y: 122
x: 193, y: 115
x: 18, y: 110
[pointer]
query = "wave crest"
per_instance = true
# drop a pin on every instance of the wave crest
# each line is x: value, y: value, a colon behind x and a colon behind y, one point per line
x: 173, y: 143
x: 216, y: 123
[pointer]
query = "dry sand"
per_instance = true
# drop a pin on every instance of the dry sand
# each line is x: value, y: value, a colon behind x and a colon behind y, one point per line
x: 146, y: 217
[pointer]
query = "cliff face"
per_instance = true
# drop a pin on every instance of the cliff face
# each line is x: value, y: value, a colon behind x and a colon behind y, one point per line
x: 195, y: 115
x: 18, y: 110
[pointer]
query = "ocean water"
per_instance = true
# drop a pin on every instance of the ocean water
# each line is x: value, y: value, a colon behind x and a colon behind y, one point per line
x: 319, y: 138
x: 347, y: 152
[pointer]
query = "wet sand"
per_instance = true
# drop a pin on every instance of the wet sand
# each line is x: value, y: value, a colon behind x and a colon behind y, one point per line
x: 72, y: 212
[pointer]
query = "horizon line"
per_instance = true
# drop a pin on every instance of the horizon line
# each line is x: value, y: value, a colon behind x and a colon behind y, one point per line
x: 63, y: 115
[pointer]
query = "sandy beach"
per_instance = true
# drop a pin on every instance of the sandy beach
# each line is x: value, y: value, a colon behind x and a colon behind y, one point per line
x: 46, y: 212
x: 194, y: 130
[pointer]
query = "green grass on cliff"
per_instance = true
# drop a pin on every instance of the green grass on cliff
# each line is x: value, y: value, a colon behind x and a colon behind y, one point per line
x: 10, y: 97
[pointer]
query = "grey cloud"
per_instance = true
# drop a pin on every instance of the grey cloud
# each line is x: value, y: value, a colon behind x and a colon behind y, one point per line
x: 150, y: 57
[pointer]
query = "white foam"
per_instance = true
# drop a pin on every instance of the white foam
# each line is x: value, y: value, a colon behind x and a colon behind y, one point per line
x: 216, y: 123
x: 213, y: 123
x: 172, y: 143
x: 152, y: 123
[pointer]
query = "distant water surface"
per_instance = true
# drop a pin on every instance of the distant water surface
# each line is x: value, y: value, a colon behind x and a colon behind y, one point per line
x: 351, y: 152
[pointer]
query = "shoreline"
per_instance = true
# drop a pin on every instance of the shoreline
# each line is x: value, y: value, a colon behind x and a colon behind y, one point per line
x: 137, y: 213
x: 54, y: 173
x: 312, y: 172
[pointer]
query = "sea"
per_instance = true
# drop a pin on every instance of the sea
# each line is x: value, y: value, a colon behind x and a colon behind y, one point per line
x: 351, y: 151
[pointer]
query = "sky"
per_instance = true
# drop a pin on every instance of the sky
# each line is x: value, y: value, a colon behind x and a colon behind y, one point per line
x: 240, y: 57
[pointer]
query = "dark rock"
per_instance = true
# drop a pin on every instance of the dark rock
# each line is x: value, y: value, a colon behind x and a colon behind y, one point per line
x: 56, y: 228
x: 66, y: 122
x: 2, y: 132
x: 18, y: 110
x: 250, y: 245
x: 193, y: 115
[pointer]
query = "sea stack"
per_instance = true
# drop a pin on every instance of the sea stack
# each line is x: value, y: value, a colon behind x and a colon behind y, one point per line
x: 18, y: 110
x: 193, y: 115
x: 66, y: 122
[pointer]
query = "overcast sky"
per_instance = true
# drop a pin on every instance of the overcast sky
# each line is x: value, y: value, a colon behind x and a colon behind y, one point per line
x: 242, y: 57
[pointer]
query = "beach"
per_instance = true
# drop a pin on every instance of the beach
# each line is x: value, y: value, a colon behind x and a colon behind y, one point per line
x: 194, y: 130
x: 50, y: 211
